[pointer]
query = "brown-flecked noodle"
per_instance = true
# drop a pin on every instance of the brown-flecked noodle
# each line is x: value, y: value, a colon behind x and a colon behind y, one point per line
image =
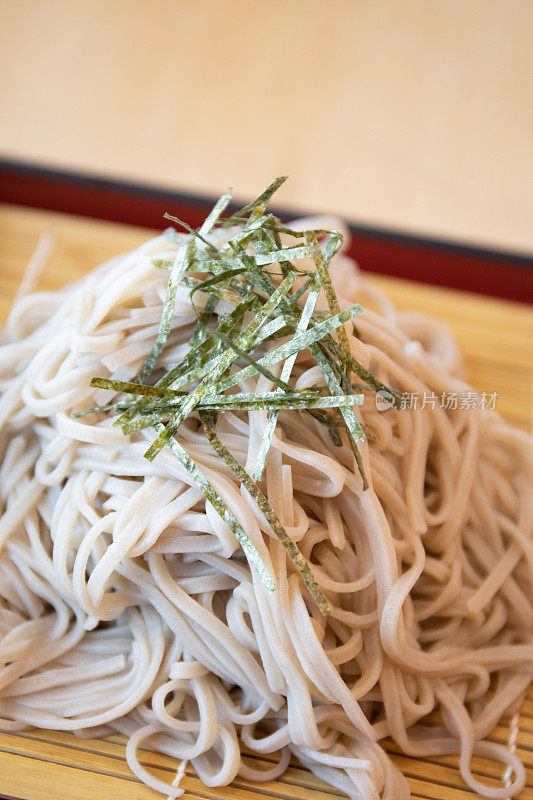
x: 128, y: 606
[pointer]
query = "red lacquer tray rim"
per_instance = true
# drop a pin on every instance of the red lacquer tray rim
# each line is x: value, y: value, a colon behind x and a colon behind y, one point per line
x: 433, y: 261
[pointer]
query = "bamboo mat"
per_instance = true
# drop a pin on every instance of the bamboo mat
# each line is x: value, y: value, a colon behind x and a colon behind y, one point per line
x: 496, y: 339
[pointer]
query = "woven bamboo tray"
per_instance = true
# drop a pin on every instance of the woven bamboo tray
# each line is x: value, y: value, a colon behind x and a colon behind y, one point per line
x: 496, y: 339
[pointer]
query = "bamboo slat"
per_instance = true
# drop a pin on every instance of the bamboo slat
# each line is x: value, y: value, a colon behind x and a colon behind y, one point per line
x: 495, y: 338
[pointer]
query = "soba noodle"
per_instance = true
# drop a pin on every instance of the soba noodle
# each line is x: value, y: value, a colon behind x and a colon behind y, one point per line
x: 128, y: 606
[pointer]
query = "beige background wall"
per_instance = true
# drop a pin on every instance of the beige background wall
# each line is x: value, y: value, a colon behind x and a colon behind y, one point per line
x: 414, y: 114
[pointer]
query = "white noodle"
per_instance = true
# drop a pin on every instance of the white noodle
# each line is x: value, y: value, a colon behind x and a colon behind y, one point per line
x: 127, y: 605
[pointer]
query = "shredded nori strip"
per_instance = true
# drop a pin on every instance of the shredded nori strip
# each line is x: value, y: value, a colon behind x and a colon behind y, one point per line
x: 272, y: 319
x: 208, y: 422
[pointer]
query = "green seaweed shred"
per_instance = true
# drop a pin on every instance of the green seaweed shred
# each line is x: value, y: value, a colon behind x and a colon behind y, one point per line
x: 270, y: 427
x: 257, y: 269
x: 221, y: 508
x: 209, y: 422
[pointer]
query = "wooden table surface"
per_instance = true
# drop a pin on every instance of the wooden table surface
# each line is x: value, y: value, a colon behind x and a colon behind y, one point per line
x: 415, y: 115
x: 496, y: 339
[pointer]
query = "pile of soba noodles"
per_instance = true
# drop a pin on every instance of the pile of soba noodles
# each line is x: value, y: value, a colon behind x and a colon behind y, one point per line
x: 127, y: 604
